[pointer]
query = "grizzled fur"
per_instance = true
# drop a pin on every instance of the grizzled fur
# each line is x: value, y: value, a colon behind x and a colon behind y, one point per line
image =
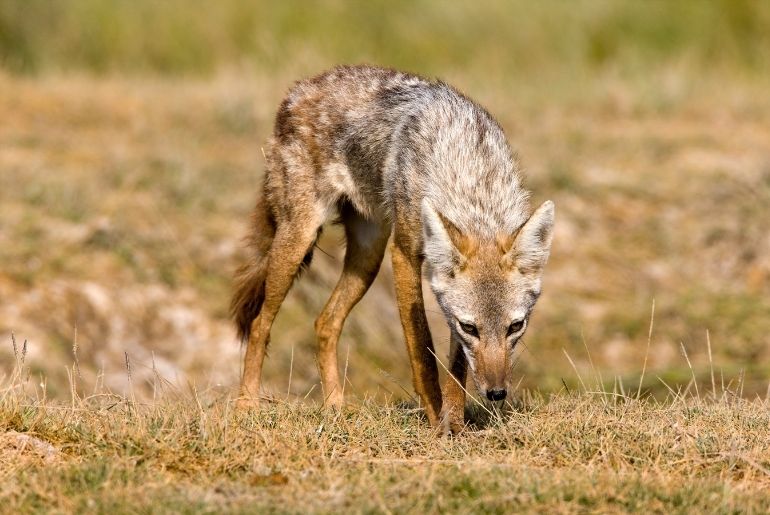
x: 395, y: 153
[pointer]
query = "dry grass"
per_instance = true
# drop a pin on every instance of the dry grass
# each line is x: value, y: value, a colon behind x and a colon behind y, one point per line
x: 564, y: 453
x: 123, y: 200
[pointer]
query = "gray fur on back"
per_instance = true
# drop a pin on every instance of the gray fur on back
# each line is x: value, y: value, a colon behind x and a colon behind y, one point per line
x: 449, y: 150
x: 387, y: 139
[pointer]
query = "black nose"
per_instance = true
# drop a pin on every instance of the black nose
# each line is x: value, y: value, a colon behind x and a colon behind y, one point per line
x: 496, y: 395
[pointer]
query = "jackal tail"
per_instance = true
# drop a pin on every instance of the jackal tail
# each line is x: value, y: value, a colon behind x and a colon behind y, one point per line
x: 249, y: 288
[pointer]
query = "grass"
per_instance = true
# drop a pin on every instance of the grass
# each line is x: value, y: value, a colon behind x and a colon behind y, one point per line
x: 190, y: 451
x: 501, y: 39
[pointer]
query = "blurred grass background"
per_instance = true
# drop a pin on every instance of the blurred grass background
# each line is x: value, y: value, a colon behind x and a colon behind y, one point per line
x: 501, y: 40
x: 130, y: 156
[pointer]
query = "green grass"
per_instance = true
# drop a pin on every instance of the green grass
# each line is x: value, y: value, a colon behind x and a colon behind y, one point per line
x: 506, y: 41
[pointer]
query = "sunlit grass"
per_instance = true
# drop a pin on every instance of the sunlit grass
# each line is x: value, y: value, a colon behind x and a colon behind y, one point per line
x: 190, y: 451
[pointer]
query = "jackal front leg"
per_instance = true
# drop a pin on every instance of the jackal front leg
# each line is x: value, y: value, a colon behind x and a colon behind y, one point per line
x: 407, y: 272
x: 453, y: 407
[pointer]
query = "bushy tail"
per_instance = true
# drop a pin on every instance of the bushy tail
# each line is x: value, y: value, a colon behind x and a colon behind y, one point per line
x: 249, y: 288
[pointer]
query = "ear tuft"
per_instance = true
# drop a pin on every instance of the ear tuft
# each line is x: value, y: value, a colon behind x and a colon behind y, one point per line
x: 439, y: 249
x: 532, y: 245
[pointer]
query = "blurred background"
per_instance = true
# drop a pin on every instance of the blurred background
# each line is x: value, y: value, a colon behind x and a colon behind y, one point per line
x: 130, y: 157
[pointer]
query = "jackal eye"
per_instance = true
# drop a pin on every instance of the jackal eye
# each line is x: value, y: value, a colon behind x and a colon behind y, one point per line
x: 469, y: 329
x: 515, y: 327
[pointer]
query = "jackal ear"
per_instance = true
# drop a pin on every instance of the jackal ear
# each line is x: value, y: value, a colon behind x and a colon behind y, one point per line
x: 443, y: 241
x: 532, y: 245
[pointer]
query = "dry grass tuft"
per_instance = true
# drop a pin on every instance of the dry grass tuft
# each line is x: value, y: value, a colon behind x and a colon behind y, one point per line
x: 567, y: 452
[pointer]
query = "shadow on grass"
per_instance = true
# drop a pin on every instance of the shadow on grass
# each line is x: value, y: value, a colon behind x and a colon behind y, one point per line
x: 479, y: 415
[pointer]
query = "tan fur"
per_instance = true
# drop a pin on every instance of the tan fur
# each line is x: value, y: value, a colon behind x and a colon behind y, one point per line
x: 359, y: 270
x: 407, y: 272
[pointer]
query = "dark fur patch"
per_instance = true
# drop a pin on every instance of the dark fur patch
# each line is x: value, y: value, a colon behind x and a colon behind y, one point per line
x: 542, y: 233
x: 412, y: 125
x: 392, y: 97
x: 481, y: 128
x: 284, y: 128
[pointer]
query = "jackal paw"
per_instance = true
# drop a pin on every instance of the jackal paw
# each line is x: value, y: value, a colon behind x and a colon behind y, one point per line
x: 335, y: 400
x: 247, y: 403
x: 451, y: 423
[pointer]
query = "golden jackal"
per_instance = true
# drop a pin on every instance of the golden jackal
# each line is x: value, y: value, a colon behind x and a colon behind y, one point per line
x: 392, y: 152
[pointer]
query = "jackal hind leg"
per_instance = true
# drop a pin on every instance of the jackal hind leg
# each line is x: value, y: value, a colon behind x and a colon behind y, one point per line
x: 366, y: 242
x: 407, y: 272
x: 294, y: 239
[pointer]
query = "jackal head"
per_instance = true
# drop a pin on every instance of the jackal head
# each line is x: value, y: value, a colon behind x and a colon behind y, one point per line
x: 487, y: 289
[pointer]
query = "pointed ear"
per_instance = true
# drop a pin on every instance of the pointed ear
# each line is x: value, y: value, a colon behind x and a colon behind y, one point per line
x: 443, y: 242
x: 532, y: 245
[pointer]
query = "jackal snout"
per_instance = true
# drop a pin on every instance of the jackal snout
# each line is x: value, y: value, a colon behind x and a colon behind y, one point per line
x: 492, y: 368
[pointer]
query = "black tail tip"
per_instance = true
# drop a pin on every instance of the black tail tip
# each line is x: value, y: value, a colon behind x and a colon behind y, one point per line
x: 243, y: 312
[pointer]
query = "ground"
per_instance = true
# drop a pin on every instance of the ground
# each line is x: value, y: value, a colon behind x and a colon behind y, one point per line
x: 566, y: 453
